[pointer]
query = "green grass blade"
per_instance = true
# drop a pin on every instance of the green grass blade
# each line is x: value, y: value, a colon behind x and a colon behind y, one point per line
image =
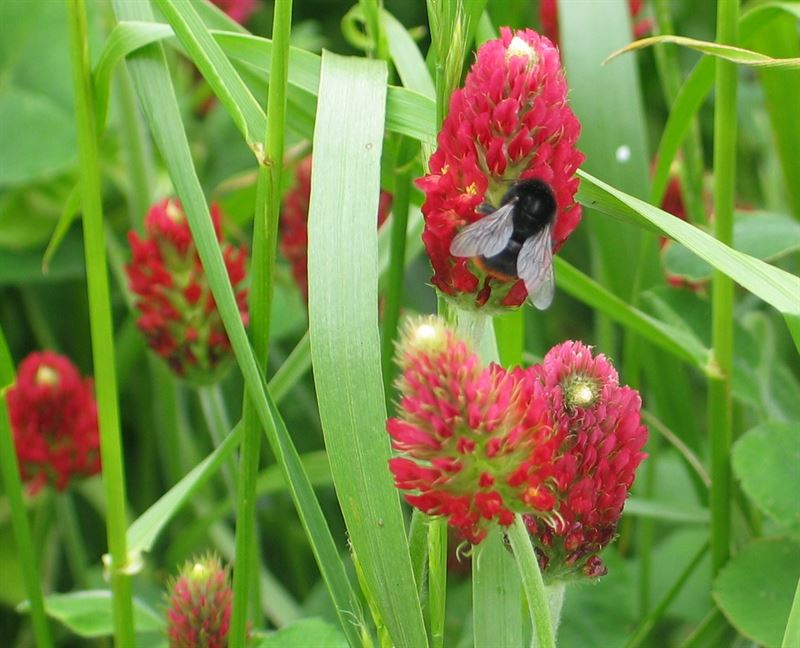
x: 407, y: 112
x: 218, y: 72
x: 12, y: 488
x: 151, y: 78
x: 727, y: 52
x: 148, y: 526
x: 773, y: 285
x: 123, y: 39
x: 345, y: 346
x: 791, y: 636
x: 407, y: 58
x: 532, y: 584
x: 681, y: 344
x: 101, y: 324
x: 690, y: 97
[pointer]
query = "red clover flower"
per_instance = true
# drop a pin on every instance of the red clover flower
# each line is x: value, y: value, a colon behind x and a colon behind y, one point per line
x: 200, y: 602
x: 558, y: 442
x: 179, y: 316
x: 603, y: 437
x: 294, y: 223
x: 54, y: 420
x: 476, y: 443
x: 509, y: 122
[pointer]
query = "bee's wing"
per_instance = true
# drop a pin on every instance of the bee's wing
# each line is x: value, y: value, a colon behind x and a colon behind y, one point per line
x: 488, y: 236
x: 535, y: 268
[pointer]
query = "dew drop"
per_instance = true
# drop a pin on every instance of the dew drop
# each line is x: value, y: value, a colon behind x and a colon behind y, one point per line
x: 623, y: 153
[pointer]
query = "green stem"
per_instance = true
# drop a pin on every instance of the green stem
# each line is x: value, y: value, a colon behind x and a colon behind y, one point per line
x: 719, y: 401
x: 532, y: 584
x: 555, y: 602
x: 73, y: 542
x: 394, y: 287
x: 12, y: 487
x: 265, y: 234
x: 509, y: 330
x: 372, y: 19
x: 418, y: 547
x: 496, y: 594
x: 101, y: 325
x: 646, y: 528
x: 437, y: 578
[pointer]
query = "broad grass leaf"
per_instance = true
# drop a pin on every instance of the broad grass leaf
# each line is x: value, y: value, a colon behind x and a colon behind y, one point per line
x: 773, y: 285
x: 764, y: 236
x: 153, y: 85
x: 345, y: 345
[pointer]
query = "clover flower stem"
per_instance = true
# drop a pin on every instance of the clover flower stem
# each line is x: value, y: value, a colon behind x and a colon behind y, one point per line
x: 722, y: 297
x: 418, y: 547
x: 496, y: 594
x: 554, y: 592
x: 394, y: 284
x: 265, y: 236
x: 533, y: 585
x: 101, y: 326
x: 71, y: 535
x: 437, y: 578
x: 509, y: 330
x: 12, y: 487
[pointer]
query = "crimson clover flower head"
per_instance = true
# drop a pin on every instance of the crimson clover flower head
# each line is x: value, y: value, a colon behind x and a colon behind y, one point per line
x: 294, y: 223
x: 238, y: 10
x: 178, y: 314
x: 509, y: 122
x: 200, y: 601
x: 548, y: 19
x: 595, y: 465
x: 54, y: 420
x: 475, y: 443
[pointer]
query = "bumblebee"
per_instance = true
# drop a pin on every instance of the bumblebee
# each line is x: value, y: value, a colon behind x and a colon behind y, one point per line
x: 514, y: 241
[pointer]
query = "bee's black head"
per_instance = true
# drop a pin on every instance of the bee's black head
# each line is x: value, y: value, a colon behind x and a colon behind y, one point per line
x: 535, y: 202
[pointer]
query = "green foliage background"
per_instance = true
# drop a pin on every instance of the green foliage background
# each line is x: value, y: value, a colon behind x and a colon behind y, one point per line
x: 612, y: 293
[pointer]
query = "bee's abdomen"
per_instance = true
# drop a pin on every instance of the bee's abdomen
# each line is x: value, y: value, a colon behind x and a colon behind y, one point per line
x: 504, y: 263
